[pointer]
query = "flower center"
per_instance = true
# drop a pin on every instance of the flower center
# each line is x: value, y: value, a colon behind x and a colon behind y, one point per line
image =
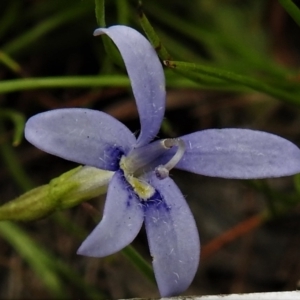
x: 141, y: 160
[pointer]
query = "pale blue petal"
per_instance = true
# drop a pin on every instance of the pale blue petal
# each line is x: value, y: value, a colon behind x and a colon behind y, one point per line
x: 239, y: 153
x: 84, y: 136
x: 122, y: 220
x: 172, y: 236
x: 146, y: 75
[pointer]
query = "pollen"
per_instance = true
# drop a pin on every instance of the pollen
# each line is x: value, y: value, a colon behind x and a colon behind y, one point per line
x: 124, y: 164
x: 140, y: 187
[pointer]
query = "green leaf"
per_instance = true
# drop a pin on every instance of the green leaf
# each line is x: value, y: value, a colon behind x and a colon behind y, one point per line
x: 49, y: 269
x: 10, y: 63
x: 214, y: 41
x: 292, y: 9
x: 151, y: 35
x: 35, y: 256
x: 258, y: 85
x: 18, y: 120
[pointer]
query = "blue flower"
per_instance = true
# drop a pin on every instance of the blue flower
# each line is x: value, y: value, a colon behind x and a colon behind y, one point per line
x: 139, y: 188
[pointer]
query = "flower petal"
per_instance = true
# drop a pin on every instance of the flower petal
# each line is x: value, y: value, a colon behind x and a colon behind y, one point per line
x: 173, y: 238
x: 84, y: 136
x: 122, y: 220
x: 146, y: 75
x: 239, y: 153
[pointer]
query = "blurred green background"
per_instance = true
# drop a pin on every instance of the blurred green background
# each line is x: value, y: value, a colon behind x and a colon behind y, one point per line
x: 49, y: 59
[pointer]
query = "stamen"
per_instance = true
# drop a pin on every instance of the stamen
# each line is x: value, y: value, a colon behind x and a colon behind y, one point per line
x: 142, y: 156
x: 163, y: 170
x: 140, y: 187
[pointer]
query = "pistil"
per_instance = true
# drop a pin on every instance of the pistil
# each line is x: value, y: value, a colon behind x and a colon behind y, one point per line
x: 162, y: 171
x: 143, y: 156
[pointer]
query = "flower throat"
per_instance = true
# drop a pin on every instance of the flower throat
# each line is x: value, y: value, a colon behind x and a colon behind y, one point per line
x: 140, y: 160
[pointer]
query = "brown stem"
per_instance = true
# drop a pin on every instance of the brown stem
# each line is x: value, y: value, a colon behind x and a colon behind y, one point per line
x: 231, y: 235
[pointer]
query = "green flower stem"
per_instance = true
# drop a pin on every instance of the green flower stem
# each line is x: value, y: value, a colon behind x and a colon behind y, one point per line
x: 123, y: 12
x: 9, y: 158
x: 247, y: 81
x: 30, y: 206
x: 152, y: 36
x: 100, y: 12
x: 139, y: 262
x: 10, y: 63
x: 15, y: 85
x: 292, y: 9
x: 109, y: 46
x: 180, y: 50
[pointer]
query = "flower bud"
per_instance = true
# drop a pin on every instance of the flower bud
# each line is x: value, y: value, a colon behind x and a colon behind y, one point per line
x: 67, y: 190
